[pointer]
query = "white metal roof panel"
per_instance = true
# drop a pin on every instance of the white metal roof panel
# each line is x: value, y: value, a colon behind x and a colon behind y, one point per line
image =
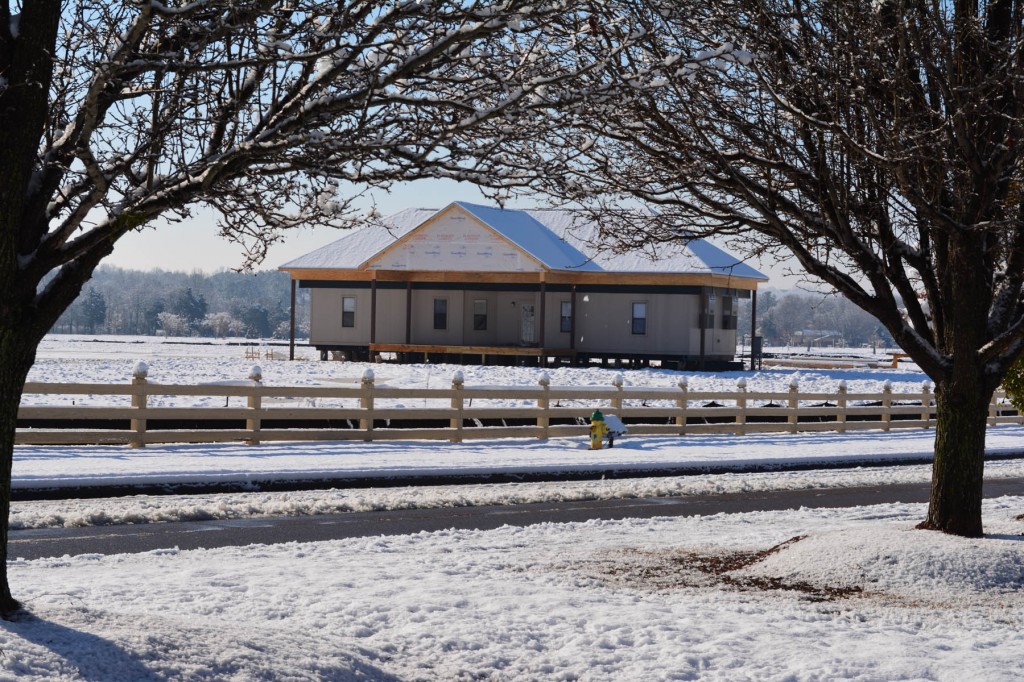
x: 560, y: 239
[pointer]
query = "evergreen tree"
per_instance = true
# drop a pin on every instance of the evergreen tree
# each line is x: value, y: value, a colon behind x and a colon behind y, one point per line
x: 94, y: 310
x: 188, y: 306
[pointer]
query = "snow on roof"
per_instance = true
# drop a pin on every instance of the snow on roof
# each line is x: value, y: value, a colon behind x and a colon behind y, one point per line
x: 532, y: 236
x: 696, y: 256
x: 558, y: 238
x: 360, y: 245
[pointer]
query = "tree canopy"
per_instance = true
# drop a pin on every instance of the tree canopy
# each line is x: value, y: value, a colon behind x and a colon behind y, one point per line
x: 878, y: 143
x: 115, y: 113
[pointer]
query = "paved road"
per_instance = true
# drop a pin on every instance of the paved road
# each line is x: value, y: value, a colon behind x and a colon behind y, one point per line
x: 34, y: 544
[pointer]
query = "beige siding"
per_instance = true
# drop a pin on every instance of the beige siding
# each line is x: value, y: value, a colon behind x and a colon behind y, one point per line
x: 325, y: 317
x: 489, y: 335
x: 604, y: 324
x: 553, y: 338
x: 603, y: 321
x: 423, y: 317
x: 391, y: 316
x: 718, y: 342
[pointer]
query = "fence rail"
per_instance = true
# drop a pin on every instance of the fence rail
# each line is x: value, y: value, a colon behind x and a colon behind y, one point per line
x: 369, y: 412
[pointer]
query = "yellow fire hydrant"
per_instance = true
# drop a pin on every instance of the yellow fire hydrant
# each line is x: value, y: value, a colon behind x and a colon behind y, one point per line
x: 597, y: 430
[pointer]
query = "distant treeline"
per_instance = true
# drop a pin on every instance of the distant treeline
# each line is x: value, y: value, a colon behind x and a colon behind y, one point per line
x: 253, y: 305
x: 788, y: 318
x: 256, y: 305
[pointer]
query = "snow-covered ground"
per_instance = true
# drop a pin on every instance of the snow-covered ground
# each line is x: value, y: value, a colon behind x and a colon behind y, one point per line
x: 861, y: 596
x: 106, y: 359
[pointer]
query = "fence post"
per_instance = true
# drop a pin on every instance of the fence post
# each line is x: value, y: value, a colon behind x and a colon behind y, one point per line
x: 993, y: 410
x: 741, y: 404
x: 926, y: 404
x: 543, y: 403
x: 458, y: 383
x: 366, y: 402
x: 886, y: 405
x: 794, y: 405
x: 616, y: 402
x: 254, y: 403
x: 841, y: 408
x: 681, y: 403
x: 139, y: 401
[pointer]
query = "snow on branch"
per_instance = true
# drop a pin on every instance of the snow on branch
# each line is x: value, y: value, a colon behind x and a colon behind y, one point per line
x: 260, y: 109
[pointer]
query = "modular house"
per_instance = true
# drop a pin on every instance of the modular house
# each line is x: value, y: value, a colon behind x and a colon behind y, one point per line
x: 505, y: 285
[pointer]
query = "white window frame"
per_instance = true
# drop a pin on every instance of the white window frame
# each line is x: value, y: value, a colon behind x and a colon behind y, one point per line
x: 348, y: 316
x: 634, y: 318
x: 445, y: 300
x: 730, y: 312
x: 476, y: 303
x: 565, y: 317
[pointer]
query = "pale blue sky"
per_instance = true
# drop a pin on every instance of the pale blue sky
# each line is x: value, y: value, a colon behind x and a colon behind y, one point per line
x: 195, y: 244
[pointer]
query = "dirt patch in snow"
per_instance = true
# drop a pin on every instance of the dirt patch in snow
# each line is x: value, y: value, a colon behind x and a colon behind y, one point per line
x: 889, y: 562
x: 658, y: 571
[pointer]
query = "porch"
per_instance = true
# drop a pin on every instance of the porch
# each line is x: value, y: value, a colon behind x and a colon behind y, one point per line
x: 412, y: 352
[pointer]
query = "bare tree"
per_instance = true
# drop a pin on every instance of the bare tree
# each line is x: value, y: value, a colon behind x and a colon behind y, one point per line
x: 877, y: 141
x: 114, y: 113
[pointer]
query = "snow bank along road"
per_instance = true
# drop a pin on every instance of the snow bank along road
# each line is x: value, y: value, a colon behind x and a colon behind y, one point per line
x: 244, y: 467
x: 123, y: 539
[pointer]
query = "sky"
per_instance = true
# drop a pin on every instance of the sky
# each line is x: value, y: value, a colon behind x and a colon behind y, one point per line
x: 195, y: 245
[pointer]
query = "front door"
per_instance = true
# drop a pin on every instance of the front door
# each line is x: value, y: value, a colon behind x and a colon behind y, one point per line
x: 527, y: 325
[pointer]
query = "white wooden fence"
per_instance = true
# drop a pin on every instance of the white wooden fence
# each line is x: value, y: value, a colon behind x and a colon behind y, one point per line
x: 367, y: 411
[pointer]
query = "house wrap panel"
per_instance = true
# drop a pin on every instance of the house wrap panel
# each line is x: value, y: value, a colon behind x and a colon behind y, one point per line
x: 454, y: 241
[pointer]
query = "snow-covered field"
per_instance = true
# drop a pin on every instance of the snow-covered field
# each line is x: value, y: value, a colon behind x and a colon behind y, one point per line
x: 85, y: 359
x: 861, y: 597
x: 76, y: 358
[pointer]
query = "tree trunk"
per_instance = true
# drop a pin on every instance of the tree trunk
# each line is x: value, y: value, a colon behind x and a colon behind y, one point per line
x: 958, y: 467
x: 17, y: 353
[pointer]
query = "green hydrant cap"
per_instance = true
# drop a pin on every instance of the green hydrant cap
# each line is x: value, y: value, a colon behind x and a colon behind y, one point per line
x: 597, y: 416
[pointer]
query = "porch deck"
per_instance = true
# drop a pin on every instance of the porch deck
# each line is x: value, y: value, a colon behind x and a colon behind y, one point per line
x: 483, y: 351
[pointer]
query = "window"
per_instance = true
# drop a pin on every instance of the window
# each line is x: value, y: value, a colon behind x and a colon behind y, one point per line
x: 706, y: 317
x: 565, y: 318
x: 440, y: 313
x: 730, y: 313
x: 348, y: 311
x: 479, y: 315
x: 639, y: 320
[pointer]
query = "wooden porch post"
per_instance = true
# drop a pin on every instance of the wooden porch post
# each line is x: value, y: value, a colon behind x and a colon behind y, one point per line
x: 703, y: 324
x: 544, y: 303
x: 373, y: 309
x: 543, y: 310
x: 291, y: 332
x: 753, y: 326
x: 572, y: 318
x: 572, y: 325
x: 408, y: 312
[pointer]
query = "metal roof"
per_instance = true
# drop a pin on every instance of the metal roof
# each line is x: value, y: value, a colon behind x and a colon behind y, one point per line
x: 559, y: 239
